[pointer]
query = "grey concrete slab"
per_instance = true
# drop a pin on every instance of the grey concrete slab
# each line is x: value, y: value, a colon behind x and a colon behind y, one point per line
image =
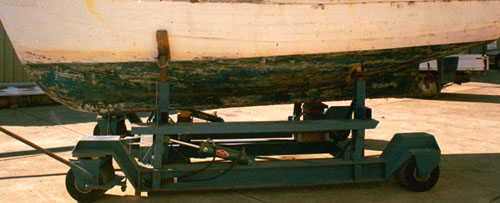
x: 464, y: 119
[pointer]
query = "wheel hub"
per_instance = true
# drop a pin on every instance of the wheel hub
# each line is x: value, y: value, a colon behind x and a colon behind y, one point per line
x: 418, y: 178
x: 82, y: 190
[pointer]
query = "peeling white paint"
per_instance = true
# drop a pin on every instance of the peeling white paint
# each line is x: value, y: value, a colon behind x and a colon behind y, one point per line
x: 65, y: 31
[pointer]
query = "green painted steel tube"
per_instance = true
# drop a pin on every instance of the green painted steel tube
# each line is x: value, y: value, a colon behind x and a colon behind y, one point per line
x: 210, y: 149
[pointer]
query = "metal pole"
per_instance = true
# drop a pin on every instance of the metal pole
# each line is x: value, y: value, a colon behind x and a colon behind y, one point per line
x: 31, y: 144
x: 184, y: 143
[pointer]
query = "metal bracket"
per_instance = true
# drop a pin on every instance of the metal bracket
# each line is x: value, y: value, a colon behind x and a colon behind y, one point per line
x: 426, y: 160
x: 355, y: 74
x: 404, y: 146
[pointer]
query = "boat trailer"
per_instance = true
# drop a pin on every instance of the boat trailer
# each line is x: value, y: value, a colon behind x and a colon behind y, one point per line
x: 162, y: 155
x: 159, y: 157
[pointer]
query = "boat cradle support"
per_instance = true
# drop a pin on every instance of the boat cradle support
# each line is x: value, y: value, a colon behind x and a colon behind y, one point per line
x: 151, y: 161
x: 114, y: 124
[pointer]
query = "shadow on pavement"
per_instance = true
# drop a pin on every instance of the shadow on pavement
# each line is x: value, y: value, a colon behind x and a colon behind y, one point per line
x: 31, y: 152
x: 492, y: 76
x: 376, y: 145
x: 43, y: 116
x: 495, y: 99
x: 461, y: 176
x: 32, y: 176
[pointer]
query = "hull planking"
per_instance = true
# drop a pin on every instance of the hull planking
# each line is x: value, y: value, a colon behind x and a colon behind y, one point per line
x: 131, y: 87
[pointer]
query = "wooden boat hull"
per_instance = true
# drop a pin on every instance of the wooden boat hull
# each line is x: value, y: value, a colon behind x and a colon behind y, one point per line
x: 131, y: 87
x: 110, y: 31
x: 100, y: 56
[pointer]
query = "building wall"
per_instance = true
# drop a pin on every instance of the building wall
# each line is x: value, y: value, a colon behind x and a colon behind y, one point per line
x: 11, y: 70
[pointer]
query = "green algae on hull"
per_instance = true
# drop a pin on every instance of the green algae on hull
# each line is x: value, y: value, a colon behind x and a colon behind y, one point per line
x: 219, y: 83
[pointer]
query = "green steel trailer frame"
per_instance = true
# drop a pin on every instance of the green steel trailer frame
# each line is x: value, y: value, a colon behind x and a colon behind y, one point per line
x: 157, y: 155
x: 157, y: 158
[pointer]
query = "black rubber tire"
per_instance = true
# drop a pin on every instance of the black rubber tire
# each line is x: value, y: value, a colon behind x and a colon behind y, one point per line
x: 97, y: 130
x: 339, y: 135
x: 429, y: 87
x: 78, y: 194
x: 408, y: 177
x: 122, y: 129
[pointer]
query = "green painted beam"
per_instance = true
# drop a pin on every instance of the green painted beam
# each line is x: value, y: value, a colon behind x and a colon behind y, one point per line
x: 269, y: 174
x: 257, y: 127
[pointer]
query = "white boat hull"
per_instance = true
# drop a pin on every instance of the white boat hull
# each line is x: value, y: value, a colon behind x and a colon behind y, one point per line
x: 78, y: 31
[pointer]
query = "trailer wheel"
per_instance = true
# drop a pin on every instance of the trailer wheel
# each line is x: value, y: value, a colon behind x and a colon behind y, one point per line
x: 429, y: 87
x: 80, y: 194
x: 106, y: 174
x: 408, y: 177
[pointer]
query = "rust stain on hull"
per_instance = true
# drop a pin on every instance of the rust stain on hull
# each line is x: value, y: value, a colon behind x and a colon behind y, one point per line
x: 91, y: 9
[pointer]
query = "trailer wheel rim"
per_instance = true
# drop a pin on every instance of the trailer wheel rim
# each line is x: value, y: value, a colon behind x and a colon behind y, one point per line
x: 418, y: 178
x: 81, y: 190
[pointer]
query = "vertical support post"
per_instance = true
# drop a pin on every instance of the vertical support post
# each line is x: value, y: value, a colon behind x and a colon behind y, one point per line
x: 159, y: 153
x: 358, y: 136
x: 163, y: 102
x: 440, y: 66
x: 359, y: 100
x: 138, y: 189
x: 163, y: 85
x: 163, y: 96
x: 297, y: 111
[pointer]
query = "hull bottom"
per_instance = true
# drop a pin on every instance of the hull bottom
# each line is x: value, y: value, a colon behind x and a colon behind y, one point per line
x: 218, y: 83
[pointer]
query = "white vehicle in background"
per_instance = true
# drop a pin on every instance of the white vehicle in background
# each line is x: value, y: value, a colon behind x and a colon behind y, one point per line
x: 456, y: 69
x: 466, y: 63
x: 491, y: 50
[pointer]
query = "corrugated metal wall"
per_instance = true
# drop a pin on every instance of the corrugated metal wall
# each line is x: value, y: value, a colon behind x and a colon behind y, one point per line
x: 11, y: 69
